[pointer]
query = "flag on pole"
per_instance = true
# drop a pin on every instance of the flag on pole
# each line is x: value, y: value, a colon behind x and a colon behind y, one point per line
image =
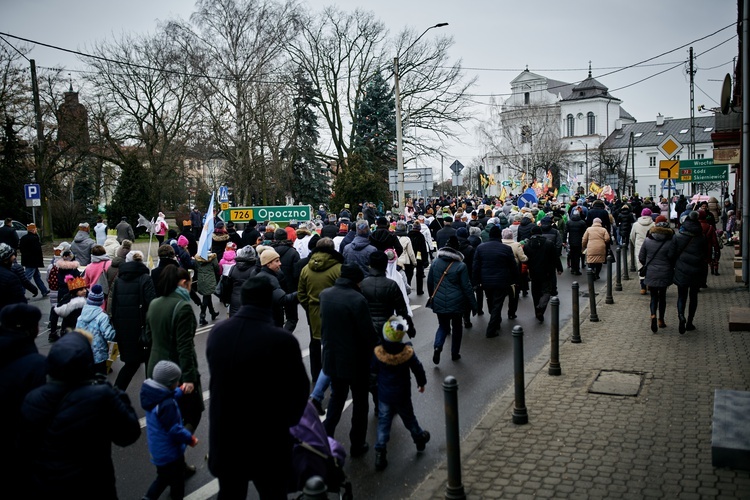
x: 594, y: 188
x: 503, y: 194
x: 204, y: 242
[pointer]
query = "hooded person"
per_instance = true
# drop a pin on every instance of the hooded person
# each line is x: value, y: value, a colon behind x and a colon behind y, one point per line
x: 574, y: 231
x: 359, y: 250
x: 82, y: 244
x: 219, y: 240
x: 94, y: 320
x: 638, y: 235
x: 301, y: 244
x: 383, y: 239
x: 384, y: 295
x: 392, y: 365
x: 543, y: 262
x: 22, y: 369
x: 270, y: 266
x: 75, y: 415
x: 160, y: 227
x: 689, y: 253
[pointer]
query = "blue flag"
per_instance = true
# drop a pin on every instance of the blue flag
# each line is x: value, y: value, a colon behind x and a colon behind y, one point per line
x: 204, y: 242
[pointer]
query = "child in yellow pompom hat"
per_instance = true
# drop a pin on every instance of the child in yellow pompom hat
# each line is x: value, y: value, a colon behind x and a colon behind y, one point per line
x: 391, y: 365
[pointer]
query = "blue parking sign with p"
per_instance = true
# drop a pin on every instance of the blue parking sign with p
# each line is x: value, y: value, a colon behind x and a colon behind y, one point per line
x: 32, y: 191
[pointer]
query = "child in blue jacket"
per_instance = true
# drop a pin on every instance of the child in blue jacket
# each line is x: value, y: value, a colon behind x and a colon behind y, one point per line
x: 94, y: 320
x: 392, y: 364
x: 167, y: 438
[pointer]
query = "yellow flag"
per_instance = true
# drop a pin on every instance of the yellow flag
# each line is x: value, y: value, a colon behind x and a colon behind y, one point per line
x: 503, y: 194
x: 594, y: 188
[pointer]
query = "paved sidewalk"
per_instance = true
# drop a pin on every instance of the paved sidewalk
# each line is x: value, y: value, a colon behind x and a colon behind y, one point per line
x: 583, y: 445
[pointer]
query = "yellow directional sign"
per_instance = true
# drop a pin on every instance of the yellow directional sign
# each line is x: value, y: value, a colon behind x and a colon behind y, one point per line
x: 669, y: 169
x: 669, y: 147
x: 225, y: 206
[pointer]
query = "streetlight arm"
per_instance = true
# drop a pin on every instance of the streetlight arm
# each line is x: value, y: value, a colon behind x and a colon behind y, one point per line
x: 438, y: 25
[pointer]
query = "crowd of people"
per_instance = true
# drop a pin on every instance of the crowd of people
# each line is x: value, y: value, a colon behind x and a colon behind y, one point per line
x: 353, y: 273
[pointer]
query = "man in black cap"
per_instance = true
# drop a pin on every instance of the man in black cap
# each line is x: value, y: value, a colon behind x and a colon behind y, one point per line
x: 250, y: 235
x: 246, y: 347
x: 494, y: 268
x: 22, y: 369
x: 442, y: 236
x: 348, y: 341
x: 383, y: 239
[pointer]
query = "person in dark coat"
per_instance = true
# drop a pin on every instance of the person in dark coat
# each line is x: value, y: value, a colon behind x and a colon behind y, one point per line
x: 131, y: 293
x: 442, y: 236
x: 83, y: 244
x: 251, y: 234
x: 70, y: 423
x: 248, y: 346
x: 422, y: 253
x: 383, y: 295
x: 654, y: 255
x: 271, y: 266
x: 348, y: 339
x: 192, y: 246
x: 575, y: 229
x: 383, y: 239
x: 289, y: 258
x: 450, y: 290
x: 219, y: 240
x: 624, y: 220
x: 495, y: 270
x: 8, y: 234
x: 688, y: 253
x: 245, y: 267
x: 32, y: 259
x: 524, y: 228
x: 166, y: 258
x: 11, y: 286
x: 543, y: 262
x: 468, y: 251
x: 598, y: 210
x: 359, y: 250
x: 234, y: 236
x: 22, y: 369
x: 551, y: 232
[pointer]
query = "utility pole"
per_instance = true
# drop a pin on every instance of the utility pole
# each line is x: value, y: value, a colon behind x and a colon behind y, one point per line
x: 691, y: 146
x: 39, y: 154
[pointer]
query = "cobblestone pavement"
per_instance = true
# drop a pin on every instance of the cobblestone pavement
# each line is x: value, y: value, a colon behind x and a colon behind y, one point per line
x: 579, y: 444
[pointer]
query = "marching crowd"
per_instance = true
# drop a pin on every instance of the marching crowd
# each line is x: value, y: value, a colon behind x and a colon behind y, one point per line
x: 353, y: 274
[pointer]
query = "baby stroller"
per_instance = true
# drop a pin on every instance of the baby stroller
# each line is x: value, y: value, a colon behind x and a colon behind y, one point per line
x: 316, y: 454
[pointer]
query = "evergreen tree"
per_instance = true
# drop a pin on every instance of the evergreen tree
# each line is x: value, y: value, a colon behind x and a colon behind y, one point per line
x: 366, y: 174
x: 13, y: 173
x: 309, y: 176
x: 133, y: 195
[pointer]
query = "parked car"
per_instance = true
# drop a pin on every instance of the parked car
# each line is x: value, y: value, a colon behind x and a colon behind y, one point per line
x: 20, y: 228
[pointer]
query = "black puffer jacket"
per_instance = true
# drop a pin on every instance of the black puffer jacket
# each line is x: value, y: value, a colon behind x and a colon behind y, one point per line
x: 419, y: 245
x: 551, y: 233
x: 688, y: 253
x: 383, y: 298
x: 494, y: 265
x: 625, y: 220
x: 11, y: 288
x: 243, y: 269
x: 289, y: 258
x: 70, y: 424
x: 655, y: 253
x: 130, y: 296
x: 467, y: 250
x: 575, y: 228
x: 383, y: 239
x: 524, y: 229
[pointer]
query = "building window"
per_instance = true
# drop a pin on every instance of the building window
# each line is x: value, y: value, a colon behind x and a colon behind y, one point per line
x: 700, y: 156
x: 652, y: 161
x: 652, y: 190
x: 571, y: 126
x: 590, y: 123
x: 527, y: 98
x: 525, y: 134
x: 581, y: 166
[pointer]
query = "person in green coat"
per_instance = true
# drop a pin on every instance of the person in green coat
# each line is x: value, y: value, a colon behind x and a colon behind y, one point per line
x: 171, y: 325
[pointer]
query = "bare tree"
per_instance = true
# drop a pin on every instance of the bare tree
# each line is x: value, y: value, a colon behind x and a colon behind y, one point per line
x: 238, y: 48
x: 144, y: 95
x: 340, y: 51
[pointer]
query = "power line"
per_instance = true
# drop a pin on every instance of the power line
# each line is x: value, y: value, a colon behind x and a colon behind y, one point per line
x: 14, y: 48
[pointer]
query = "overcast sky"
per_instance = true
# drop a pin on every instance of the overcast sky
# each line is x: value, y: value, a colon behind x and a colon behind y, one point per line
x: 495, y: 40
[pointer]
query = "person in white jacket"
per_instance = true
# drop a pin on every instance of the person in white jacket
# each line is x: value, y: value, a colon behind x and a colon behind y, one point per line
x: 638, y: 236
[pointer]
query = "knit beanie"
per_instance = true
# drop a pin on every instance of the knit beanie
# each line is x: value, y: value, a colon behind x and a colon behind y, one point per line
x: 280, y: 234
x: 96, y: 296
x: 268, y: 256
x: 166, y: 373
x: 132, y: 255
x: 182, y: 241
x: 22, y: 317
x: 507, y: 234
x: 462, y: 232
x: 352, y: 272
x: 646, y: 211
x: 394, y: 329
x: 5, y: 251
x: 660, y: 218
x: 495, y: 232
x: 378, y: 260
x: 246, y: 253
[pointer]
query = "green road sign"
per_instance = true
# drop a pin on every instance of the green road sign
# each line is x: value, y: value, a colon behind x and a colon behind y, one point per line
x: 703, y: 162
x: 706, y: 173
x: 282, y: 213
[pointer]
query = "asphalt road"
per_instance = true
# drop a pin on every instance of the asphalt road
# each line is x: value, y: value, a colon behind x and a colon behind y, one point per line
x: 483, y: 373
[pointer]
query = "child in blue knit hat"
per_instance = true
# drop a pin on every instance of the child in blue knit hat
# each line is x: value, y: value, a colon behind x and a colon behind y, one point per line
x: 95, y: 321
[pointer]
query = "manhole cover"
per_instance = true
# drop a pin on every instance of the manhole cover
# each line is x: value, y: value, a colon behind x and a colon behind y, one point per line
x: 617, y: 383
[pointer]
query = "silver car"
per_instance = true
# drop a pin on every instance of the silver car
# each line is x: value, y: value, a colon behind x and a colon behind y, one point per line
x: 20, y: 228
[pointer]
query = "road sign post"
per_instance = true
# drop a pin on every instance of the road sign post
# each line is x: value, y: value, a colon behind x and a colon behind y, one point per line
x: 703, y: 170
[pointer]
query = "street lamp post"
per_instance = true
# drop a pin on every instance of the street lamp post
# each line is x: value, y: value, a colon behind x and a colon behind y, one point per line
x: 586, y: 146
x: 399, y: 134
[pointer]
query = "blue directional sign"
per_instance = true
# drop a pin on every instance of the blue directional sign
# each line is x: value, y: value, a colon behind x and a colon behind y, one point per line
x: 32, y: 192
x: 527, y: 198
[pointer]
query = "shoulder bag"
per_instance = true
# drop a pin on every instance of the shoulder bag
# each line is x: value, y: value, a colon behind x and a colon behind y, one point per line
x: 429, y: 301
x: 642, y: 270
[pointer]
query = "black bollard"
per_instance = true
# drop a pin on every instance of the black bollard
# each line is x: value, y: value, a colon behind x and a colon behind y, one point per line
x: 576, y: 312
x: 454, y: 489
x: 609, y: 299
x: 520, y: 415
x: 554, y: 337
x: 618, y: 274
x: 624, y: 253
x: 632, y: 258
x: 592, y: 296
x: 315, y: 489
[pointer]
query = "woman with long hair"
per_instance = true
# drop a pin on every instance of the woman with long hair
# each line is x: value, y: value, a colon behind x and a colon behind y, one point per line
x: 654, y: 255
x: 171, y: 325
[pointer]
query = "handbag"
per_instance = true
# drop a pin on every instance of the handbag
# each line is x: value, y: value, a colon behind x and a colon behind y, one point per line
x: 428, y: 304
x: 642, y: 270
x: 224, y: 288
